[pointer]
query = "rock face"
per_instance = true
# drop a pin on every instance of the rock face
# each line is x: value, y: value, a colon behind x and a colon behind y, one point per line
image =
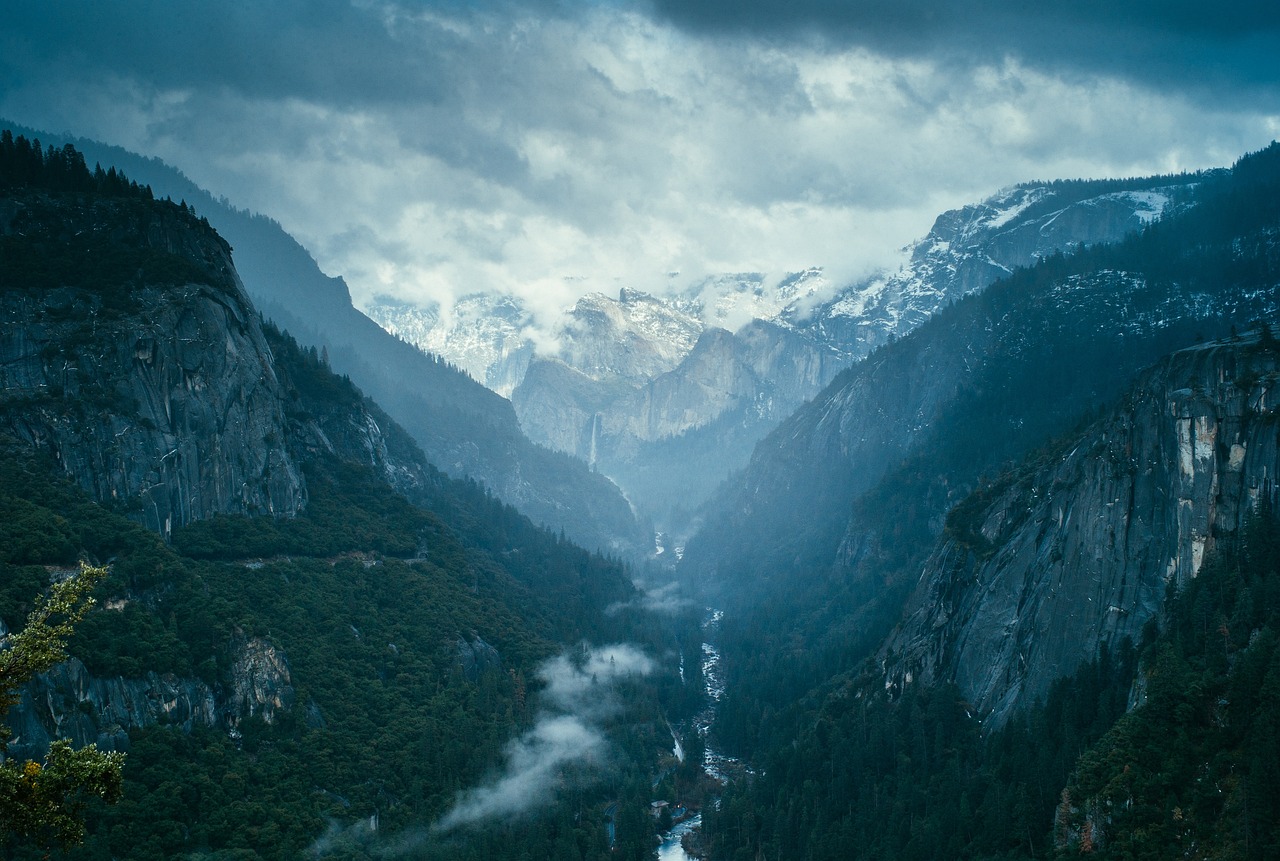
x: 635, y: 338
x: 764, y: 351
x: 476, y: 657
x: 466, y: 430
x: 260, y: 683
x: 170, y: 406
x: 1074, y: 552
x: 68, y: 702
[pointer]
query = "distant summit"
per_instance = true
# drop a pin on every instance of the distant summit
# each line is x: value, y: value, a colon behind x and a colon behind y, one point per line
x: 638, y: 388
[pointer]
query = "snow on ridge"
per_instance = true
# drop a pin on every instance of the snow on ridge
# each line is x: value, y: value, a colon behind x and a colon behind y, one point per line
x: 733, y: 300
x: 635, y: 334
x: 1148, y: 205
x: 482, y: 334
x: 855, y: 302
x: 1006, y: 206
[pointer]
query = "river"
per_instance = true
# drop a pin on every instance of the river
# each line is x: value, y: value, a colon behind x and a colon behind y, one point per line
x: 717, y: 765
x: 671, y: 849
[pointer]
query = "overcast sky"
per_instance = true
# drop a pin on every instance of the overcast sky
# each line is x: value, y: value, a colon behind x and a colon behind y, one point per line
x: 544, y: 148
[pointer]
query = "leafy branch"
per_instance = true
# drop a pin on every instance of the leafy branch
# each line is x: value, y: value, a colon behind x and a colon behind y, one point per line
x: 44, y: 801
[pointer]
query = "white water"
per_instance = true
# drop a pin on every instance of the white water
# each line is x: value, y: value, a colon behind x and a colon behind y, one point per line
x: 715, y: 764
x: 670, y: 848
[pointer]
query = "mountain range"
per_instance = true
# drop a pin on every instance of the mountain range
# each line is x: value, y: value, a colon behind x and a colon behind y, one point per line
x: 667, y: 395
x: 464, y: 428
x: 992, y: 537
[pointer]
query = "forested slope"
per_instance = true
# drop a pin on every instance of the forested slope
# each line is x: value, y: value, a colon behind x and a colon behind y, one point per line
x: 322, y: 677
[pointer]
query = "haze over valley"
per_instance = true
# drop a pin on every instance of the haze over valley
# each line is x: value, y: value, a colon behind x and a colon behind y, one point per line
x: 639, y: 430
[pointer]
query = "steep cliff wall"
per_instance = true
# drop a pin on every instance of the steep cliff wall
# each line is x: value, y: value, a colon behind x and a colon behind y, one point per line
x: 1077, y: 550
x: 68, y: 702
x: 984, y: 381
x: 152, y: 387
x: 464, y: 428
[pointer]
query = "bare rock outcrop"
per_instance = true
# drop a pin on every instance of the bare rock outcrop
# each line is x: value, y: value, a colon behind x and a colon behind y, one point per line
x: 1036, y: 573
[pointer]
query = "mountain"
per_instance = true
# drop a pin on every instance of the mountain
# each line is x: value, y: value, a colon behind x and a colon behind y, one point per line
x: 991, y: 538
x: 645, y: 387
x: 842, y: 504
x: 1076, y: 550
x: 310, y: 639
x: 969, y: 248
x: 996, y: 373
x: 464, y: 428
x: 180, y: 412
x: 486, y: 338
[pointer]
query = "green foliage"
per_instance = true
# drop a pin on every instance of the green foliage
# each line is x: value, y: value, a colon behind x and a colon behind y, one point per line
x: 385, y: 721
x: 45, y: 801
x: 50, y: 521
x: 107, y: 261
x: 42, y: 641
x: 23, y: 165
x: 96, y: 235
x: 1189, y: 773
x: 33, y: 534
x: 1192, y: 772
x: 914, y: 778
x: 347, y: 510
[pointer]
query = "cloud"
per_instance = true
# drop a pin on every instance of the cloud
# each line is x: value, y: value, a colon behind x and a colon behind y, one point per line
x: 534, y: 766
x: 566, y: 736
x: 429, y: 151
x: 1228, y: 50
x: 665, y: 599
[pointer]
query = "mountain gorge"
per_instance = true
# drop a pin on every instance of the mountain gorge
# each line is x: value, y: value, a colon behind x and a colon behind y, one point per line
x: 997, y: 577
x: 464, y: 428
x: 644, y: 387
x: 297, y: 598
x: 978, y: 513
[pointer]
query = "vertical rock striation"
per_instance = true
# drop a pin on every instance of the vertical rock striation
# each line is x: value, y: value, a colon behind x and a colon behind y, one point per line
x: 158, y: 394
x: 1077, y: 549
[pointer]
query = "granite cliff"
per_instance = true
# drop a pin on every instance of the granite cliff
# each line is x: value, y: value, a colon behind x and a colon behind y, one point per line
x: 154, y: 387
x: 1077, y: 549
x: 68, y: 702
x: 466, y: 430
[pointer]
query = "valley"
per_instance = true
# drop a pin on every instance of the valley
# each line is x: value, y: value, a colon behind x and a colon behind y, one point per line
x: 991, y: 537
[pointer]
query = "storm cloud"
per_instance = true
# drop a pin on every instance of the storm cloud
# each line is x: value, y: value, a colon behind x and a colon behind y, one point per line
x: 429, y: 150
x: 1227, y: 50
